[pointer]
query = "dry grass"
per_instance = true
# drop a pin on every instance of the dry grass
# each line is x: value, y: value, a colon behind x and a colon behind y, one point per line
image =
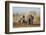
x: 36, y: 22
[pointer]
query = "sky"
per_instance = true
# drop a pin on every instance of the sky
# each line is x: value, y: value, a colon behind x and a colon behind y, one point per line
x: 25, y: 10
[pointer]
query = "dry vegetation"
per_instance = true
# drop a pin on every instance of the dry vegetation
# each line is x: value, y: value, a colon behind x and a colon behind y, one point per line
x: 36, y: 21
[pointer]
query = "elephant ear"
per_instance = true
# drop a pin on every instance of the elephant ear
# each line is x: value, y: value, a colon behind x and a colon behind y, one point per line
x: 32, y: 17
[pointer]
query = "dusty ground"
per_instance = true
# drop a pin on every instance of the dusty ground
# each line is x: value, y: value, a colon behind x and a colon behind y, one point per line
x: 16, y: 25
x: 25, y: 25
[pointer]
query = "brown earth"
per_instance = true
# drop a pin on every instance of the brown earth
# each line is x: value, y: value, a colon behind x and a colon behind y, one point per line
x: 16, y: 25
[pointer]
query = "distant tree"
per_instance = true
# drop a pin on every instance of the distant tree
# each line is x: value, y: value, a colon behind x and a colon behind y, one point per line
x: 33, y: 12
x: 13, y: 14
x: 17, y: 14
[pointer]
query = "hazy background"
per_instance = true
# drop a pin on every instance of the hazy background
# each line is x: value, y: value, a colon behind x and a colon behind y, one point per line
x: 23, y: 10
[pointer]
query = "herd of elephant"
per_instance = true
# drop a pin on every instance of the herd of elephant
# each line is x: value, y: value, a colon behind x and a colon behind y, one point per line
x: 28, y: 21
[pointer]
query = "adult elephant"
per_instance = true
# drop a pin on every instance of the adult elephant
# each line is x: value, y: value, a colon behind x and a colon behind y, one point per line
x: 30, y: 19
